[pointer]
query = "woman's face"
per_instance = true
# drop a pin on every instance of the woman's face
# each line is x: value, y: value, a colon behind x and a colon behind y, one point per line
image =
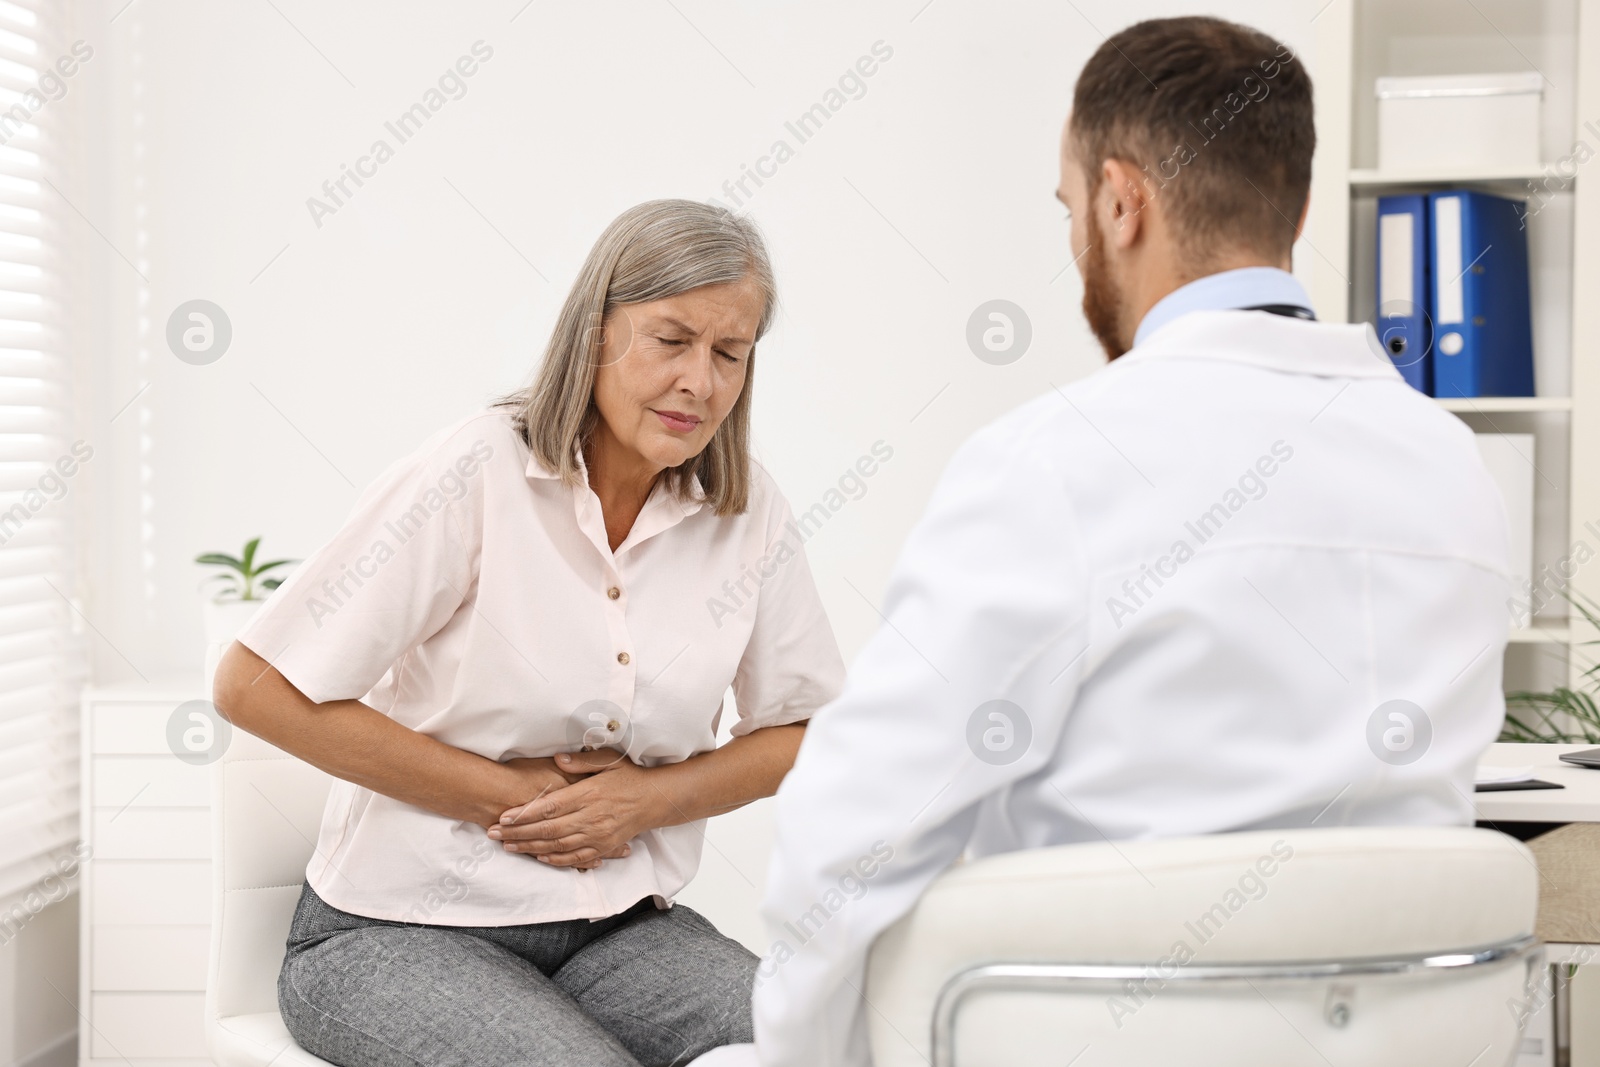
x: 671, y: 369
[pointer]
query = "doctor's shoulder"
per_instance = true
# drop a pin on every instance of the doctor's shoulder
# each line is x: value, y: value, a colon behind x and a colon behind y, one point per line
x: 1046, y: 422
x: 1028, y: 444
x: 1426, y: 417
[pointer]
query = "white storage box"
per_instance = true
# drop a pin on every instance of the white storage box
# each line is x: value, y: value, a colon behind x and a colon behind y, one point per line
x: 1510, y: 459
x: 1487, y: 121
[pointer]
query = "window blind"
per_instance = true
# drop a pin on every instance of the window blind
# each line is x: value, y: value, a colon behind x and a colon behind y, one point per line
x: 41, y: 654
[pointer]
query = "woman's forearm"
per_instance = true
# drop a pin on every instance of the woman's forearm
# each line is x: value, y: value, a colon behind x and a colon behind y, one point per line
x: 621, y: 799
x: 351, y: 741
x: 745, y: 769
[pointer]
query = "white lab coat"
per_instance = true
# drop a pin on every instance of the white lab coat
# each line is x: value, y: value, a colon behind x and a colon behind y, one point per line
x: 1197, y: 579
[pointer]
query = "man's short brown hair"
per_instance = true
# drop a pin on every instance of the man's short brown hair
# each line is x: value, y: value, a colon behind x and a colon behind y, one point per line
x: 1218, y: 118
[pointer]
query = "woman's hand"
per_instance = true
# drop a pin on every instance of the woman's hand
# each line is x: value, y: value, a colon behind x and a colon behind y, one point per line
x: 614, y: 800
x: 609, y: 802
x: 524, y: 780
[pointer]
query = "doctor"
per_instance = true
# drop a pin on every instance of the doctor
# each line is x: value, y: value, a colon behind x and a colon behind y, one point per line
x: 1243, y: 577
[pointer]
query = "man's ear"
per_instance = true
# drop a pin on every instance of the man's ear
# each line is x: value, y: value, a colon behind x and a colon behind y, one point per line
x: 1126, y: 199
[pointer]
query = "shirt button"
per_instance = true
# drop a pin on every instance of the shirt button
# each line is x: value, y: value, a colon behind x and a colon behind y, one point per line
x: 622, y: 658
x: 613, y: 592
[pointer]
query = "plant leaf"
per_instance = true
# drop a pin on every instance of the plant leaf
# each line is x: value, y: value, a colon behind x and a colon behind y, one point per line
x: 1542, y: 711
x: 265, y: 567
x: 218, y: 559
x: 250, y: 553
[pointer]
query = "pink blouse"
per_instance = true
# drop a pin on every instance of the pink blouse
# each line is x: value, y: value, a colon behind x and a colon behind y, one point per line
x: 474, y: 598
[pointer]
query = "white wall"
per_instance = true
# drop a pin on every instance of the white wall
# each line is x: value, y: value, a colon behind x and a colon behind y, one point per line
x: 408, y: 308
x: 434, y: 286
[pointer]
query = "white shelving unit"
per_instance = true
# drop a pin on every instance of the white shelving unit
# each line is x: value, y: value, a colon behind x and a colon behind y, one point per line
x: 1358, y: 41
x: 1494, y: 405
x: 1365, y: 178
x: 1542, y: 634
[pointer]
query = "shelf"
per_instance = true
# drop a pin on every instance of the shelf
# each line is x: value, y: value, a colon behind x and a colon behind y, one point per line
x: 1540, y: 634
x: 1492, y: 405
x: 1357, y: 42
x: 1381, y: 180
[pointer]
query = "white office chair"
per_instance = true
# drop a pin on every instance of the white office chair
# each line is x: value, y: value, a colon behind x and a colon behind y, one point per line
x: 266, y: 807
x: 1365, y: 947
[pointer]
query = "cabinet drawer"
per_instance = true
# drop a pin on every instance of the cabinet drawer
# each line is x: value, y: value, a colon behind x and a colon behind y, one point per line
x: 145, y: 1025
x: 130, y: 893
x: 151, y: 958
x: 145, y: 834
x: 131, y: 729
x: 148, y: 782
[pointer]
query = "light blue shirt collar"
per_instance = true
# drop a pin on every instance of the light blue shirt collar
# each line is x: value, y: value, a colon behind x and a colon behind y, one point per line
x: 1242, y: 288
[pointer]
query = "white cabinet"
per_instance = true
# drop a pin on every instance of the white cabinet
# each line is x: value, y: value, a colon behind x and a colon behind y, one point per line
x: 146, y: 907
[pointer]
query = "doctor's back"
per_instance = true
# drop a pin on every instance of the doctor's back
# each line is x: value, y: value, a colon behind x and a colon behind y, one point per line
x: 1293, y: 574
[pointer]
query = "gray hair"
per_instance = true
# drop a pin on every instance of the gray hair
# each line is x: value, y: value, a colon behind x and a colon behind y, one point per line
x: 657, y: 249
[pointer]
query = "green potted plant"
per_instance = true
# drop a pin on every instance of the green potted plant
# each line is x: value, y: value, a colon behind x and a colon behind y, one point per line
x: 243, y: 589
x: 1564, y: 715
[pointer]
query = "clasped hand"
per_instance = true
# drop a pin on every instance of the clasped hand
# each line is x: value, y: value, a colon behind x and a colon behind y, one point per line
x: 593, y: 805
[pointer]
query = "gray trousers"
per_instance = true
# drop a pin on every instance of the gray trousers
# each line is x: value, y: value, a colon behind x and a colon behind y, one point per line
x: 645, y: 987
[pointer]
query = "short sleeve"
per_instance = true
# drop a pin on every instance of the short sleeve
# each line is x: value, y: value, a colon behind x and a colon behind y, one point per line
x: 398, y: 569
x: 792, y: 666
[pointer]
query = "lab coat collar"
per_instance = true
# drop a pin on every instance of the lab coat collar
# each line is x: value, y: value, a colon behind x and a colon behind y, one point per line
x: 1273, y: 342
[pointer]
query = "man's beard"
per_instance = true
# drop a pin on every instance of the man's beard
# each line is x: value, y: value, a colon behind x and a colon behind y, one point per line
x: 1102, y: 300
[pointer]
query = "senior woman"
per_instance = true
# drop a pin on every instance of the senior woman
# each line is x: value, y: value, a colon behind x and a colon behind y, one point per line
x: 513, y: 657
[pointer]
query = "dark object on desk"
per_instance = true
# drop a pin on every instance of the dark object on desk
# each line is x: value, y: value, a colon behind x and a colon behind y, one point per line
x: 1589, y: 757
x: 1521, y: 831
x: 1511, y: 787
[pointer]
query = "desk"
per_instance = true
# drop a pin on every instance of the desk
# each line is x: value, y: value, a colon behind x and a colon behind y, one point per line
x: 1578, y: 802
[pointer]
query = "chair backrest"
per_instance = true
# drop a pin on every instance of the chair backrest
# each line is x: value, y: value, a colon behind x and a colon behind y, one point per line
x: 266, y: 809
x: 1379, y: 946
